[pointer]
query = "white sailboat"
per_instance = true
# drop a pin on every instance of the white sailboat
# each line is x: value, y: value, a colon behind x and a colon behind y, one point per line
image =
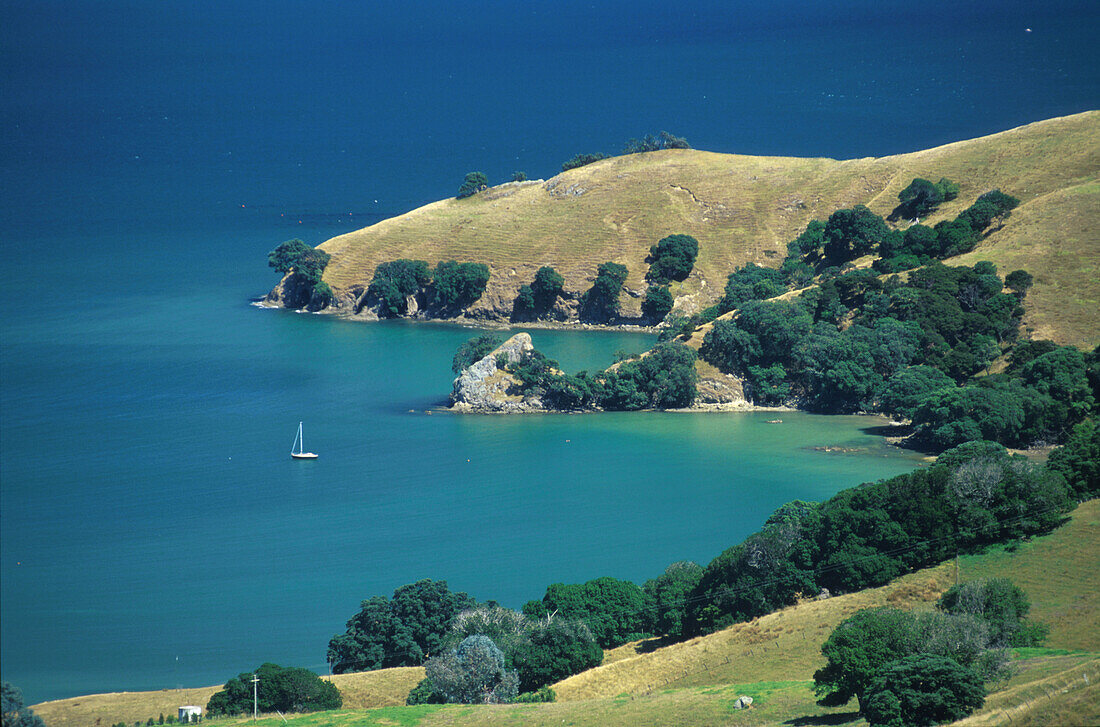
x: 297, y: 449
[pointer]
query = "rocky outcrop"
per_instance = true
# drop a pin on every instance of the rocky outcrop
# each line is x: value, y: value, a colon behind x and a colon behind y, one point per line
x: 293, y: 291
x: 484, y: 386
x: 716, y: 390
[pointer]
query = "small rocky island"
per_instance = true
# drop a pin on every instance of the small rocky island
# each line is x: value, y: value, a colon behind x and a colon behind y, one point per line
x: 515, y: 378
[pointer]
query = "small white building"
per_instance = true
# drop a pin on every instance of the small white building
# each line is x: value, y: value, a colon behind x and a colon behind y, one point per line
x: 190, y: 713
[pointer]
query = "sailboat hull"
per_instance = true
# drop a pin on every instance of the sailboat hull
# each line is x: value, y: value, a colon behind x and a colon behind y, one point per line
x: 303, y: 455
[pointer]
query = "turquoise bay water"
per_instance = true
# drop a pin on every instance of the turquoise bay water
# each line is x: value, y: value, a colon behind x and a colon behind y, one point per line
x: 157, y: 533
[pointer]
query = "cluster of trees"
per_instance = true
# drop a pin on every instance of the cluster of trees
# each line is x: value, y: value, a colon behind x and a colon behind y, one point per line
x: 496, y: 655
x: 974, y: 495
x: 281, y: 689
x: 397, y: 632
x: 926, y: 668
x: 446, y: 290
x: 649, y: 142
x: 852, y: 233
x: 672, y: 258
x: 921, y: 198
x: 664, y: 378
x: 582, y: 160
x: 909, y: 348
x: 308, y: 264
x: 472, y: 184
x: 536, y: 300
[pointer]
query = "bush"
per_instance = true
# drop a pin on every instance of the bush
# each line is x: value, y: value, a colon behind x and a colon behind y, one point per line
x: 1079, y: 460
x: 457, y: 285
x: 535, y: 300
x: 472, y: 673
x: 394, y: 282
x: 600, y: 303
x: 672, y: 258
x: 283, y: 689
x: 664, y: 140
x: 424, y: 693
x: 657, y: 303
x: 919, y: 199
x: 752, y: 282
x: 666, y: 595
x: 580, y: 160
x: 474, y: 350
x: 998, y: 603
x: 922, y: 690
x: 474, y: 183
x: 555, y: 648
x: 15, y: 713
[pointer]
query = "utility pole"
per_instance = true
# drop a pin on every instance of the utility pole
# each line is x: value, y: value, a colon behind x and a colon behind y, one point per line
x: 255, y: 695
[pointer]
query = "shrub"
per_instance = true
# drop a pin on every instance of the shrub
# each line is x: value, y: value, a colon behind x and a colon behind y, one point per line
x: 752, y: 282
x: 472, y: 673
x: 600, y: 303
x: 543, y: 694
x: 657, y: 303
x: 394, y: 282
x: 922, y: 690
x: 998, y: 603
x: 555, y: 648
x: 580, y: 160
x: 283, y: 689
x: 285, y: 256
x: 474, y: 350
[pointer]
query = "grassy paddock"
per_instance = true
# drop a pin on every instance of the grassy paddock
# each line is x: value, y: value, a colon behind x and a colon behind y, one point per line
x: 746, y: 208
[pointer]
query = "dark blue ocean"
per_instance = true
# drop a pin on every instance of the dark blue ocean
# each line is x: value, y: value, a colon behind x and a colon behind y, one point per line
x: 154, y: 531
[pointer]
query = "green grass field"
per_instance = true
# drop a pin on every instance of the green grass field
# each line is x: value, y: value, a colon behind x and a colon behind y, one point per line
x: 746, y: 208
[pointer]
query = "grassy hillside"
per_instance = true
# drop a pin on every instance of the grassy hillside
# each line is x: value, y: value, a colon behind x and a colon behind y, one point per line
x: 745, y: 208
x: 771, y: 659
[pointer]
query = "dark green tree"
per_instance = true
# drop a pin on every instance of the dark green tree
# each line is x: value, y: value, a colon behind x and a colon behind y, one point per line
x: 457, y: 285
x: 285, y: 256
x: 523, y: 307
x: 852, y: 233
x: 400, y: 632
x: 857, y: 648
x: 395, y: 281
x: 921, y: 690
x: 12, y: 709
x: 1079, y: 460
x: 666, y: 596
x: 1019, y: 282
x: 556, y: 648
x: 282, y: 689
x: 919, y: 199
x: 613, y: 609
x: 546, y: 288
x: 903, y: 392
x: 474, y: 183
x: 600, y: 303
x: 657, y: 303
x: 752, y: 282
x: 672, y: 258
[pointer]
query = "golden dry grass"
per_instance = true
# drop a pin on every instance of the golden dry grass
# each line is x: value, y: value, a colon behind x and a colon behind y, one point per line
x: 746, y: 208
x: 785, y: 645
x: 1051, y: 690
x: 360, y: 690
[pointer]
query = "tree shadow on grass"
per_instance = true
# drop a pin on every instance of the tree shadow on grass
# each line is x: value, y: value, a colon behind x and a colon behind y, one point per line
x: 650, y: 645
x: 823, y: 719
